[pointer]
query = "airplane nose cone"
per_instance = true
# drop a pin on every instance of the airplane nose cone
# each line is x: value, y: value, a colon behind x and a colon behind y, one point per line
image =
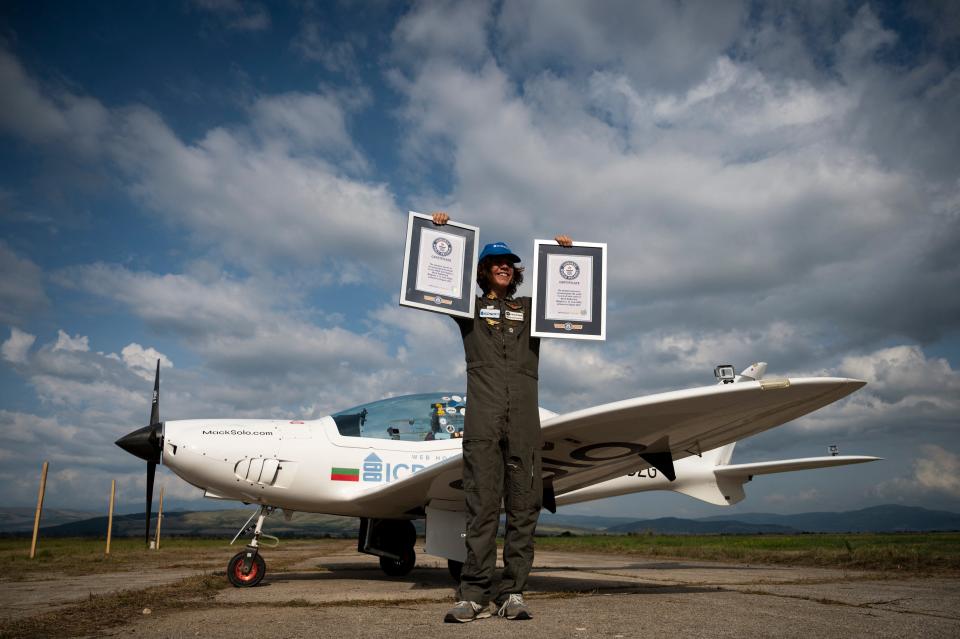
x: 143, y: 443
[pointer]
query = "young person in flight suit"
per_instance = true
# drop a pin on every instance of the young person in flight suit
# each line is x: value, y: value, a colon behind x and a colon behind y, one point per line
x: 501, y: 438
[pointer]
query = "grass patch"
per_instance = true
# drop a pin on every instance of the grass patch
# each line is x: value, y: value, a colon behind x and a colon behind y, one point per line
x: 920, y: 553
x: 92, y: 616
x: 75, y: 556
x: 81, y: 556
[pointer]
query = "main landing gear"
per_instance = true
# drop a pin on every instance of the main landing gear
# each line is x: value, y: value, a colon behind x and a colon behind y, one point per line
x: 392, y: 540
x: 247, y: 568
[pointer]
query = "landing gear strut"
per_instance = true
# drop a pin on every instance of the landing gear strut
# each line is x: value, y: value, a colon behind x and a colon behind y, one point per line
x: 456, y: 568
x: 392, y: 540
x: 399, y: 567
x: 246, y: 569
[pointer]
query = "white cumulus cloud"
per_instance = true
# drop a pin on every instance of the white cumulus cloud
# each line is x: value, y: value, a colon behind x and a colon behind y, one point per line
x: 143, y: 361
x: 15, y: 348
x: 939, y: 470
x: 936, y: 471
x: 79, y: 343
x: 277, y: 186
x: 899, y: 371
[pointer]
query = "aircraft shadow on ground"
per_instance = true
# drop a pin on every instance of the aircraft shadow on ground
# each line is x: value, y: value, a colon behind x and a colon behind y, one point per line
x: 576, y: 580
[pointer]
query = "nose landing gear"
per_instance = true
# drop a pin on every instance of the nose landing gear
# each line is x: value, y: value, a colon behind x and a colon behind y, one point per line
x: 243, y: 576
x: 246, y: 569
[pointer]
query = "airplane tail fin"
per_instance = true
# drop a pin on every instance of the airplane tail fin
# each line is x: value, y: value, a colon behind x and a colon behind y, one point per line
x: 718, y: 456
x: 711, y: 486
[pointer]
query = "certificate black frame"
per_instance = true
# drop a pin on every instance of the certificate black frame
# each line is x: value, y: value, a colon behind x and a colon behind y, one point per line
x: 596, y: 329
x: 464, y: 306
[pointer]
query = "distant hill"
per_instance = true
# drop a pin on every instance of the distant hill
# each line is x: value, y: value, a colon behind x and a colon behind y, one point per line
x: 210, y: 523
x: 21, y: 518
x: 887, y: 518
x: 225, y: 523
x: 550, y: 522
x: 676, y: 526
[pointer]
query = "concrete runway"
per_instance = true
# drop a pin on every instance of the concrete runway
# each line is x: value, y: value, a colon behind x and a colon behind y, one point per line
x: 576, y: 595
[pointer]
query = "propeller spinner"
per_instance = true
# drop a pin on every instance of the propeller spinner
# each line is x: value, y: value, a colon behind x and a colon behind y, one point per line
x: 146, y: 443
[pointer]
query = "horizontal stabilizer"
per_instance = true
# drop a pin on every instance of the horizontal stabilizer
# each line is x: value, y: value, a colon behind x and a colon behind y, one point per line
x: 728, y: 479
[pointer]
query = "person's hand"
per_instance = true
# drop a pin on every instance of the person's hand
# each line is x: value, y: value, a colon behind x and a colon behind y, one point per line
x: 440, y: 218
x: 564, y: 240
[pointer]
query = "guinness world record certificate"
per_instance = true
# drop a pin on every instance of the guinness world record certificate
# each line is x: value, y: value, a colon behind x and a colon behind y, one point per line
x: 439, y: 266
x: 564, y: 311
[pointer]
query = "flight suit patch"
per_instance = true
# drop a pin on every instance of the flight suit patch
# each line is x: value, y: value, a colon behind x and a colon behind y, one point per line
x: 516, y: 316
x: 491, y: 313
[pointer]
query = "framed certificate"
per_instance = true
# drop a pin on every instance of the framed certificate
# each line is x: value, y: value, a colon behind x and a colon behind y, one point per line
x: 439, y: 266
x: 569, y: 290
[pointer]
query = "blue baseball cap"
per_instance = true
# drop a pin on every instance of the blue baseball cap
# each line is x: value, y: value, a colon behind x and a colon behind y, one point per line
x: 497, y: 249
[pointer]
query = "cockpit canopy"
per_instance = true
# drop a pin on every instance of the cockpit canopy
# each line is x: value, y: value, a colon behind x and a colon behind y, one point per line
x: 422, y: 417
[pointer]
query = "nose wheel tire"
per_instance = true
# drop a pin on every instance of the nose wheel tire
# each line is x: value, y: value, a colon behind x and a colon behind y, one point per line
x: 235, y: 571
x: 399, y: 568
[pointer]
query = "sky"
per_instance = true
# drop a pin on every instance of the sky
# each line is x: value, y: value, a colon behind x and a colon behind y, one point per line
x: 224, y: 185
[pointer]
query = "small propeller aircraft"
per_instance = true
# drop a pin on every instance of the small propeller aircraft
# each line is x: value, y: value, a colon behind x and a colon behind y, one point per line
x: 395, y: 460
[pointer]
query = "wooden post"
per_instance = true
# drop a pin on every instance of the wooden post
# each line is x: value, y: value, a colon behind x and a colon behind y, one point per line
x: 113, y: 493
x: 36, y: 517
x: 159, y: 519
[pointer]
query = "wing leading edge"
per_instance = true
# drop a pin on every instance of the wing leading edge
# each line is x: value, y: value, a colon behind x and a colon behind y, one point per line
x: 790, y: 465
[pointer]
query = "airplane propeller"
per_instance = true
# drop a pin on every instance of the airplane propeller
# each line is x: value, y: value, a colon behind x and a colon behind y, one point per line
x: 146, y: 443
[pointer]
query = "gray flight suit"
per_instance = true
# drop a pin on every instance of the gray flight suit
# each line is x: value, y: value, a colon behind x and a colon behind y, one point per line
x: 501, y: 445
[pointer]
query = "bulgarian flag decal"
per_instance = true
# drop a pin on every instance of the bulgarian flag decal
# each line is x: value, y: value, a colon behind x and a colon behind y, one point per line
x: 345, y: 474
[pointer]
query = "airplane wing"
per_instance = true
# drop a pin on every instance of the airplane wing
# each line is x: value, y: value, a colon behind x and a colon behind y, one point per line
x: 606, y: 441
x: 588, y: 446
x: 408, y: 496
x: 789, y: 465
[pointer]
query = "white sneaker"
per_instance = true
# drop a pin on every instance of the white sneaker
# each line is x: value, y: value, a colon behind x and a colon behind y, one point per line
x: 466, y: 611
x: 514, y: 608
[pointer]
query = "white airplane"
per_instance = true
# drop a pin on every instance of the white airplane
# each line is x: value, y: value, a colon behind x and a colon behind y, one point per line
x: 395, y: 460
